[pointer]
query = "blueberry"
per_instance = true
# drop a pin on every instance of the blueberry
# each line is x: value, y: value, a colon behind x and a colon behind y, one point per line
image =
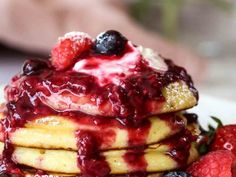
x: 33, y: 67
x: 110, y: 43
x: 177, y: 174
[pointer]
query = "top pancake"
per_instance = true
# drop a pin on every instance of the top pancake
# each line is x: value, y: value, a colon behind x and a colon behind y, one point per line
x: 142, y: 101
x: 133, y: 84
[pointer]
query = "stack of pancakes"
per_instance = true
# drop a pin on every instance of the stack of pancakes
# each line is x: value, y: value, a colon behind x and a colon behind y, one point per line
x: 49, y: 127
x: 49, y: 143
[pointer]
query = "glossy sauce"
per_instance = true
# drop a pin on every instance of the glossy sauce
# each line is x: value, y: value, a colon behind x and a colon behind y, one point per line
x: 130, y: 101
x: 135, y: 159
x: 132, y: 98
x: 180, y: 145
x: 90, y: 161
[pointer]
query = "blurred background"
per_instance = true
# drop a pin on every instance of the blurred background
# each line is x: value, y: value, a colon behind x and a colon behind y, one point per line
x: 198, y: 34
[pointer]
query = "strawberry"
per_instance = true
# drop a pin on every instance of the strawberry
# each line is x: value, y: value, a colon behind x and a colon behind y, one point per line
x: 225, y: 138
x: 69, y: 47
x: 219, y: 163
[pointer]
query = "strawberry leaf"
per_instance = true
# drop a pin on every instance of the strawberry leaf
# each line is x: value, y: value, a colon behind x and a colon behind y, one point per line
x: 208, y: 135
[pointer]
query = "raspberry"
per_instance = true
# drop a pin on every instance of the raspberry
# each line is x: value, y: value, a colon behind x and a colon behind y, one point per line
x: 69, y: 48
x: 214, y: 164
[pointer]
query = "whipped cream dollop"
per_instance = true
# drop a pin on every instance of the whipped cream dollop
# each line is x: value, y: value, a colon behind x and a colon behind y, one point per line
x: 107, y: 69
x: 153, y: 59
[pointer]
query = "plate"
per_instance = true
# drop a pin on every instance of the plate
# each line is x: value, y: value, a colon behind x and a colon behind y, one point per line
x: 212, y: 106
x: 208, y: 106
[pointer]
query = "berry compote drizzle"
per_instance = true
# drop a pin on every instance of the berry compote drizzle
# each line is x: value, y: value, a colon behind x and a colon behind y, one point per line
x: 129, y: 102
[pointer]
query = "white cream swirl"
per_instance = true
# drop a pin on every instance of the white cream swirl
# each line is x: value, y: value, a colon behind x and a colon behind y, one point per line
x: 112, y: 70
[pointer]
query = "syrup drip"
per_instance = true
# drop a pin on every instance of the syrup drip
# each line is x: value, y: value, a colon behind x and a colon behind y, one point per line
x: 180, y: 145
x: 7, y: 165
x: 137, y: 135
x: 135, y: 159
x: 90, y: 161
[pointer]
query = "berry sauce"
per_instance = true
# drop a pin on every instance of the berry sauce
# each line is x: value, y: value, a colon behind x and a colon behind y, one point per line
x: 180, y: 145
x: 7, y: 166
x: 135, y: 159
x: 67, y: 91
x: 125, y: 105
x: 89, y: 142
x: 89, y: 161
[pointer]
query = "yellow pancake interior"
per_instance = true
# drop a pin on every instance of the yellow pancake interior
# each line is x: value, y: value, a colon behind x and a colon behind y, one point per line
x: 57, y: 132
x: 63, y: 161
x: 178, y: 96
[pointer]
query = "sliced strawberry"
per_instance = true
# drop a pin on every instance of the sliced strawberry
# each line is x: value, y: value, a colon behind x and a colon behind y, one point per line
x: 225, y: 138
x: 215, y: 164
x: 69, y: 48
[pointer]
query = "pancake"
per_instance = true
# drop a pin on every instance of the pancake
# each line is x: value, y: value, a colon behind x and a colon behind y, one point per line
x: 62, y: 161
x: 32, y: 145
x: 137, y: 88
x: 102, y: 107
x: 156, y: 156
x: 57, y: 132
x: 177, y: 95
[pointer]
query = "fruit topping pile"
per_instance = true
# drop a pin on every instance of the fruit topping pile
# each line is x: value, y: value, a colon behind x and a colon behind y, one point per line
x: 74, y: 44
